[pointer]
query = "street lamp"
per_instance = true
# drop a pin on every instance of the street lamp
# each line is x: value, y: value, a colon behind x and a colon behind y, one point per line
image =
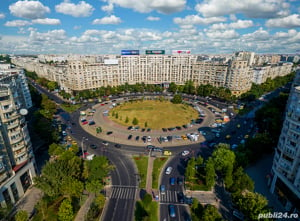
x: 83, y: 138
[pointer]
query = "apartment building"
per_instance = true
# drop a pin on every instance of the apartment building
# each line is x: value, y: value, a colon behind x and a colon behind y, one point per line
x: 17, y: 163
x: 91, y: 72
x: 285, y: 183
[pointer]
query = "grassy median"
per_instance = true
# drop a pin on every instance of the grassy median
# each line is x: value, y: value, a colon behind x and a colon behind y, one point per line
x: 157, y: 166
x: 142, y: 165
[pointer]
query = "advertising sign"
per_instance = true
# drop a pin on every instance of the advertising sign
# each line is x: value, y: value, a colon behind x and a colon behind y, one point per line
x: 130, y: 52
x: 176, y: 52
x: 155, y: 52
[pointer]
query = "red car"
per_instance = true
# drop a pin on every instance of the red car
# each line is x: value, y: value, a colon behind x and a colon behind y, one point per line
x: 84, y: 122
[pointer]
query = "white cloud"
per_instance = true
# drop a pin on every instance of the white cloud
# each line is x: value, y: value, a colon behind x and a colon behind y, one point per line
x: 144, y: 6
x: 54, y: 36
x: 108, y: 8
x: 28, y: 9
x: 258, y: 35
x: 227, y: 34
x: 2, y: 15
x: 82, y: 9
x: 113, y: 20
x: 17, y: 23
x: 235, y: 25
x: 46, y: 21
x: 151, y: 18
x: 197, y: 20
x: 291, y: 21
x: 252, y: 9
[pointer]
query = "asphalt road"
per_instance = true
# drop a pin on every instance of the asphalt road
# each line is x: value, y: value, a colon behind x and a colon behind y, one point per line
x: 123, y: 191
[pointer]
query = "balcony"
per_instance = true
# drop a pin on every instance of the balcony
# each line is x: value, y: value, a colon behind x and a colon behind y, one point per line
x: 22, y: 160
x: 3, y: 177
x: 17, y: 155
x: 20, y: 146
x: 11, y: 126
x: 16, y: 140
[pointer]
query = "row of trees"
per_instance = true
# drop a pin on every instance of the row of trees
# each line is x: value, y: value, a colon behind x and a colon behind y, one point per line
x: 223, y: 164
x: 258, y: 90
x: 65, y: 177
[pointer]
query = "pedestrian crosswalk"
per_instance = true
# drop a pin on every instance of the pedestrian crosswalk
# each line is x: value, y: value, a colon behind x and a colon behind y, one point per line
x: 123, y: 192
x: 170, y: 196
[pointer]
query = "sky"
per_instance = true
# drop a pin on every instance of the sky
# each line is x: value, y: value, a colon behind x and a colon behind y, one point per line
x: 109, y: 26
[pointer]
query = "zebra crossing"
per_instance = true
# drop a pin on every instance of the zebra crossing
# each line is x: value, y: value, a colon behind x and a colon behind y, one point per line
x: 123, y: 192
x: 170, y: 196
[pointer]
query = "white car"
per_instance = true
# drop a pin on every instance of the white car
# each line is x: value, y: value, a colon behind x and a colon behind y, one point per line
x: 148, y: 139
x: 185, y: 153
x: 169, y: 170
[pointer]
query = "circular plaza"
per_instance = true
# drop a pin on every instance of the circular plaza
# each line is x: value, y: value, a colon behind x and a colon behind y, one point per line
x: 148, y: 121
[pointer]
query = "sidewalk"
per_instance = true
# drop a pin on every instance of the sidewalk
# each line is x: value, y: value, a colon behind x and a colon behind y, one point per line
x: 149, y: 175
x: 80, y: 216
x: 29, y: 200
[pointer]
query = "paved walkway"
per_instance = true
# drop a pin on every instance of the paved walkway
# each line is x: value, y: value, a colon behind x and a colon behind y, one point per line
x: 29, y: 200
x: 80, y: 216
x: 258, y: 173
x: 149, y: 175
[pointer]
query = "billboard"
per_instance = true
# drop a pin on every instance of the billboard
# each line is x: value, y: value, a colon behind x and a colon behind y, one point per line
x: 111, y: 61
x: 130, y: 52
x: 176, y: 52
x: 155, y: 52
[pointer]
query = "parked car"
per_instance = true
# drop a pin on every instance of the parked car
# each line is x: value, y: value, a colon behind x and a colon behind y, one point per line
x: 129, y: 137
x: 117, y: 145
x: 109, y: 133
x: 162, y: 189
x: 105, y: 143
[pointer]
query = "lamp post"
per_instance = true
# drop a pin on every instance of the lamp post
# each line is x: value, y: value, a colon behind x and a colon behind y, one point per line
x: 83, y: 138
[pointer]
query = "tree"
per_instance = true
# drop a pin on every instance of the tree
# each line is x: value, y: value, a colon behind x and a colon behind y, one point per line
x: 172, y: 87
x: 52, y: 85
x: 190, y: 170
x: 210, y: 213
x: 100, y: 201
x: 21, y: 215
x: 94, y: 186
x: 242, y: 181
x: 224, y: 159
x: 65, y: 211
x: 135, y: 121
x: 251, y: 204
x: 146, y: 124
x: 177, y: 99
x: 147, y: 200
x: 210, y: 173
x: 126, y: 120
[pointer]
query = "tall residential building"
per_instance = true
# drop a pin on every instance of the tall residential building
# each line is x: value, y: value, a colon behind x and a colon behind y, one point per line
x: 77, y: 73
x: 286, y: 164
x: 17, y: 163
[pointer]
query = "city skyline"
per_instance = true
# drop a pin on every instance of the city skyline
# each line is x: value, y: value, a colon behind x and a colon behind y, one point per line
x: 108, y: 26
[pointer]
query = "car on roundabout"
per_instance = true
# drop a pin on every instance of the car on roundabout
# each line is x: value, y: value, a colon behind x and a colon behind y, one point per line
x: 169, y: 170
x: 117, y: 145
x: 185, y: 153
x: 105, y: 143
x: 93, y: 146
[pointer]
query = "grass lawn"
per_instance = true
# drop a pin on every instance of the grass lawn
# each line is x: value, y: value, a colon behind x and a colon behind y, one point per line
x: 156, y: 114
x: 70, y: 107
x: 142, y: 165
x: 157, y: 166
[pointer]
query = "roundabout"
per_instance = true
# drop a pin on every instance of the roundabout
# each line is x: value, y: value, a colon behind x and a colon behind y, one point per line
x: 159, y: 123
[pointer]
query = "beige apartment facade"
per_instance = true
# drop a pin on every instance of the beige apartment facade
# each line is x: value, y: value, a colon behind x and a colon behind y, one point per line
x: 81, y: 74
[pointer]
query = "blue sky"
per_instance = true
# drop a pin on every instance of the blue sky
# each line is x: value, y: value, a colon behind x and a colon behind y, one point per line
x: 108, y: 26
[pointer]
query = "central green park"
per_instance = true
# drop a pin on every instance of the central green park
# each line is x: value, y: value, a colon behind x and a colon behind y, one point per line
x: 155, y: 114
